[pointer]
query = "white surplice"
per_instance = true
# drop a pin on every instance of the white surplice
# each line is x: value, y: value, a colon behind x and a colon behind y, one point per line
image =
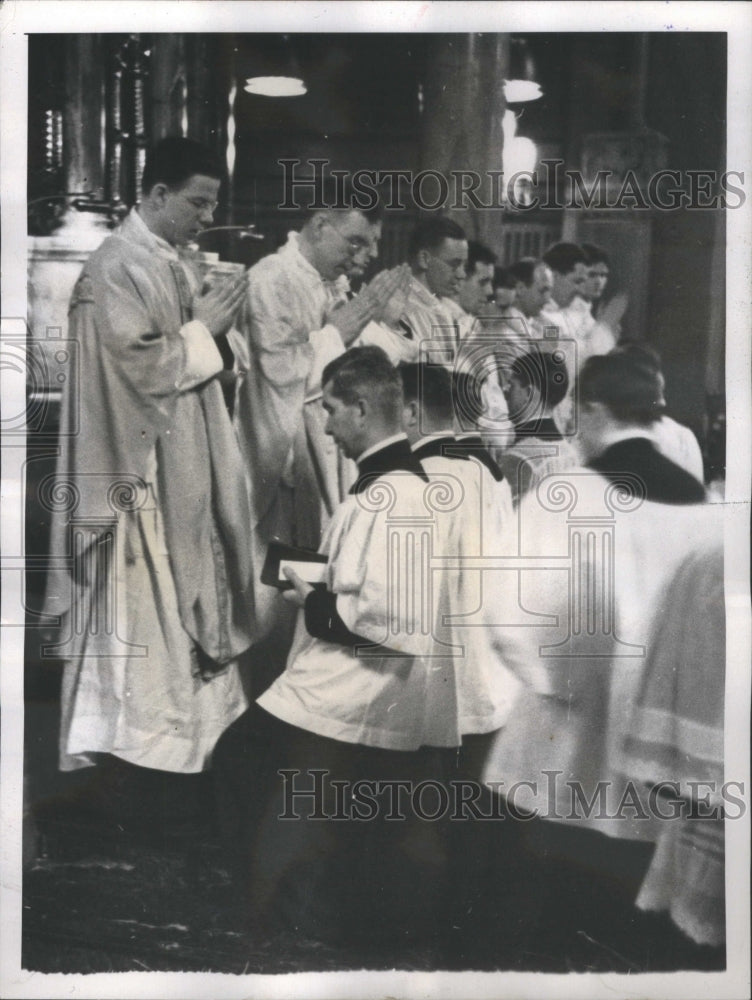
x: 394, y: 691
x: 478, y: 522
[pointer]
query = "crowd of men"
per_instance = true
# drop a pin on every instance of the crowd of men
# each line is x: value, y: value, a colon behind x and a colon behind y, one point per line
x: 386, y: 454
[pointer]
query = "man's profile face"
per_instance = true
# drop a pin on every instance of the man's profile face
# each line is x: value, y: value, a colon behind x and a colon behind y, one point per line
x: 444, y: 267
x: 363, y: 257
x: 345, y: 243
x: 519, y: 399
x: 530, y: 299
x: 476, y: 291
x: 184, y: 212
x: 596, y: 281
x: 592, y: 419
x: 505, y: 297
x: 566, y: 286
x: 343, y: 423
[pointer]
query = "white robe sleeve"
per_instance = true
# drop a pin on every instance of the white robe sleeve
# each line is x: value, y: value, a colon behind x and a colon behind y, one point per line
x: 327, y: 344
x: 395, y: 345
x: 202, y: 357
x: 377, y: 565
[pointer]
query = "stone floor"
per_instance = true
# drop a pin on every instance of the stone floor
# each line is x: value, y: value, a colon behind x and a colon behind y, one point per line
x: 100, y: 898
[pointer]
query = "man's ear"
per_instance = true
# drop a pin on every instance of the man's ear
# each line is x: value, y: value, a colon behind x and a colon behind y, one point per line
x: 410, y: 414
x: 318, y: 224
x: 421, y: 260
x: 158, y: 193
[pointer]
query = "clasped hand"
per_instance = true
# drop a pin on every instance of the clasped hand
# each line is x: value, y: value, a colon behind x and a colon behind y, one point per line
x: 218, y: 306
x: 371, y: 303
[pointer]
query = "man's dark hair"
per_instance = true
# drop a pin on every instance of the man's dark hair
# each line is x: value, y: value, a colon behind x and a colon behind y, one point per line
x: 467, y: 398
x: 637, y: 349
x: 545, y: 371
x: 562, y: 257
x: 431, y: 233
x: 524, y: 269
x: 503, y: 278
x: 630, y: 386
x: 477, y: 253
x: 338, y: 195
x: 366, y: 372
x: 431, y: 387
x: 173, y: 161
x: 594, y: 255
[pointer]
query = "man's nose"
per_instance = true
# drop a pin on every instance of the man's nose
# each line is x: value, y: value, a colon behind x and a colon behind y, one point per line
x: 206, y: 216
x: 362, y: 257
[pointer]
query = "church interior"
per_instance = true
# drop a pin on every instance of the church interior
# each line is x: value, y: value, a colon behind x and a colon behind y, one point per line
x: 631, y: 104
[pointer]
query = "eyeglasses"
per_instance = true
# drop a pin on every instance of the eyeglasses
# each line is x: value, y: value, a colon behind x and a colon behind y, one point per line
x: 356, y: 244
x: 203, y: 205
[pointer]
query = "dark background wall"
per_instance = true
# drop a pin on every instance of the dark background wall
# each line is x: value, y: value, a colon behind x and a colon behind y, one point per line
x: 686, y: 100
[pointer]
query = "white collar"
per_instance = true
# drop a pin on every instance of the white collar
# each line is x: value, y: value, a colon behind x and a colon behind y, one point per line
x: 292, y: 249
x: 144, y: 231
x: 432, y: 437
x: 615, y: 435
x: 381, y: 444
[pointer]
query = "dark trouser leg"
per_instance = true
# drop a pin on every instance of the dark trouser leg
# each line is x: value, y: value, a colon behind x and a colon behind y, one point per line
x: 484, y: 860
x: 243, y: 769
x: 344, y: 878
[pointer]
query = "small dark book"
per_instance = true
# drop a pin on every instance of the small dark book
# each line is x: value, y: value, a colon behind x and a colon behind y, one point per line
x: 307, y: 563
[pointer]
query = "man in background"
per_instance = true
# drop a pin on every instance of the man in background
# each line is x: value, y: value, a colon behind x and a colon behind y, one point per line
x: 476, y: 291
x: 504, y: 290
x: 437, y: 255
x: 529, y: 282
x: 536, y: 384
x: 533, y: 283
x: 570, y: 315
x: 591, y: 302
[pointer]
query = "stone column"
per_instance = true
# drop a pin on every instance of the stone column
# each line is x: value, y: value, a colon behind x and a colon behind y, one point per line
x: 83, y: 127
x: 464, y: 107
x: 168, y: 86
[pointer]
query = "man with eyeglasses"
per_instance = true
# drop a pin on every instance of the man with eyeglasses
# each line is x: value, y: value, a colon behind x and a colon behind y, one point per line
x: 437, y: 254
x: 299, y: 318
x: 155, y: 601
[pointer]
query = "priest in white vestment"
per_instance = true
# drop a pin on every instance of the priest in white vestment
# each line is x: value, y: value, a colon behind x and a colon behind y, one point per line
x: 150, y: 573
x: 298, y: 318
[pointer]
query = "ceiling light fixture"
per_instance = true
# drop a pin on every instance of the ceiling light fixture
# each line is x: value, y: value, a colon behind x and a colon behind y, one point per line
x: 275, y: 86
x: 522, y: 85
x: 517, y: 91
